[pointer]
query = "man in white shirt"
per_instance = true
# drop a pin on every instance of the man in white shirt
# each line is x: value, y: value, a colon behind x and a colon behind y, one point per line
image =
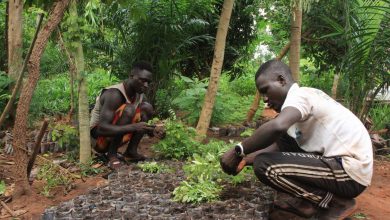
x: 324, y: 162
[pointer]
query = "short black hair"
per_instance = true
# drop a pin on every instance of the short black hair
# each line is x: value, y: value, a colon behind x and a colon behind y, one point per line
x: 141, y: 65
x: 274, y: 66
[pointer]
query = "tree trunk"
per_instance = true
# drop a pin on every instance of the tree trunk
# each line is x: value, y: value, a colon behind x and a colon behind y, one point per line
x: 4, y: 57
x: 295, y: 39
x: 255, y: 104
x: 72, y: 73
x: 336, y: 79
x: 219, y: 52
x: 84, y: 129
x: 18, y: 83
x: 15, y: 40
x: 20, y: 127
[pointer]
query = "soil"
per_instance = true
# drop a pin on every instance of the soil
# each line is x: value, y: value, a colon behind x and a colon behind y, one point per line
x: 374, y: 203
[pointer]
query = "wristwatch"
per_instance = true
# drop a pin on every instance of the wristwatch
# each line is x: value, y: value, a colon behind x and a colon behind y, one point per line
x: 239, y: 150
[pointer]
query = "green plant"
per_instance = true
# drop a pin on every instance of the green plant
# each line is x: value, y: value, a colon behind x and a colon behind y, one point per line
x: 230, y: 106
x: 2, y: 187
x: 206, y: 164
x: 52, y: 94
x: 153, y: 167
x: 380, y: 115
x: 87, y: 169
x: 50, y: 174
x: 247, y: 133
x: 311, y: 77
x: 197, y: 192
x: 204, y: 175
x: 360, y: 215
x: 97, y: 80
x: 179, y: 141
x: 66, y: 136
x: 5, y: 82
x: 190, y: 100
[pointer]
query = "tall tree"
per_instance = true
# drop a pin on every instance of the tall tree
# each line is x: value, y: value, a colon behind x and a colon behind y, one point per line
x: 216, y: 68
x: 77, y: 51
x: 295, y: 38
x: 20, y: 127
x: 72, y: 73
x: 15, y: 41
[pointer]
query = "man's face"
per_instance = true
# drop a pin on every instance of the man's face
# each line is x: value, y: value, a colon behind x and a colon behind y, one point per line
x: 142, y: 80
x: 273, y: 89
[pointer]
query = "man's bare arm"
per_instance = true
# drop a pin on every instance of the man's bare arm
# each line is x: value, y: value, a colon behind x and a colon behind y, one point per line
x: 269, y: 132
x: 111, y: 100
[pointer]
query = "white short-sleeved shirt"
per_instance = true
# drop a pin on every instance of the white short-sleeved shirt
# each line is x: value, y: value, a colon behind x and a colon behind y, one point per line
x: 328, y: 128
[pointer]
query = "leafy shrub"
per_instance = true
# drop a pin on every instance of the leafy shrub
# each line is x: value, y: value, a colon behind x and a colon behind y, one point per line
x: 97, y: 80
x: 380, y: 115
x: 52, y: 95
x: 153, y: 167
x: 190, y: 100
x: 197, y: 192
x: 310, y: 77
x: 87, y: 169
x: 179, y: 141
x: 206, y: 163
x: 53, y: 61
x: 230, y: 106
x: 244, y: 85
x: 204, y: 175
x: 49, y: 173
x: 66, y: 136
x: 165, y: 96
x: 5, y: 94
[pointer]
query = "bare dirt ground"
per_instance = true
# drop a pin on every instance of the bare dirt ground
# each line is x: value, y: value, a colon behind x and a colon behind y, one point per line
x: 374, y: 203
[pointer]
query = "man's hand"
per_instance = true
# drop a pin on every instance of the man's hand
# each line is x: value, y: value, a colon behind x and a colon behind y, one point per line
x: 143, y: 127
x: 159, y: 132
x: 230, y: 161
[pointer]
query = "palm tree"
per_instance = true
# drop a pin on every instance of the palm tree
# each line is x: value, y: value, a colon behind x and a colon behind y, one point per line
x: 366, y: 64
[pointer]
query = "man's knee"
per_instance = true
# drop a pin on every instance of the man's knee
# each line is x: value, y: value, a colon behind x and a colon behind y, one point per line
x: 100, y: 149
x: 147, y: 111
x: 261, y: 164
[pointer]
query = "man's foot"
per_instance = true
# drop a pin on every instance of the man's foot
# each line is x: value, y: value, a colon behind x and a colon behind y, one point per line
x: 339, y: 208
x: 114, y: 163
x: 295, y: 205
x: 133, y: 157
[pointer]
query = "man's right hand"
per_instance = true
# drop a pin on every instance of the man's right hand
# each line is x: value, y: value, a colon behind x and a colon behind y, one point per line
x: 142, y: 127
x: 230, y: 162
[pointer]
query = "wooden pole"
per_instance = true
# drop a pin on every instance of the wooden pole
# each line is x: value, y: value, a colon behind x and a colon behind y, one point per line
x: 36, y: 148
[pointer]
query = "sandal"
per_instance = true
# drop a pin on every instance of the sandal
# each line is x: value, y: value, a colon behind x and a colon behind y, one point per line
x: 114, y: 163
x: 134, y: 158
x: 297, y: 206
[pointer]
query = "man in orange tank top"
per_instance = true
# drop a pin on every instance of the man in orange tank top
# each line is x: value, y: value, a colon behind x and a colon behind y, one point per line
x: 120, y: 115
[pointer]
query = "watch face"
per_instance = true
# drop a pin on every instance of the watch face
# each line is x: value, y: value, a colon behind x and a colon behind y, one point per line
x: 238, y: 150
